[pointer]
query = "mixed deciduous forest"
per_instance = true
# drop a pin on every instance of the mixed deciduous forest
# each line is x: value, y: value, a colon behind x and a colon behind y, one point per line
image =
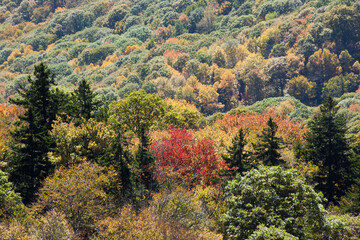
x: 180, y: 119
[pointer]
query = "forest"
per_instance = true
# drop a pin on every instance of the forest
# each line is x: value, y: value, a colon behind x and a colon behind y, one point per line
x: 180, y: 119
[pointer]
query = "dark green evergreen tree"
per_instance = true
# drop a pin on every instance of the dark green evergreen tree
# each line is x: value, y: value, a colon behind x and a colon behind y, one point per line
x: 146, y: 161
x: 328, y: 148
x: 268, y: 149
x: 84, y: 101
x: 120, y: 158
x: 236, y: 156
x: 29, y: 164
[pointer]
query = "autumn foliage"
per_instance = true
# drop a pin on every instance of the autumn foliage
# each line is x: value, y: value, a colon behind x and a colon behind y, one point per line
x: 183, y: 160
x: 8, y: 115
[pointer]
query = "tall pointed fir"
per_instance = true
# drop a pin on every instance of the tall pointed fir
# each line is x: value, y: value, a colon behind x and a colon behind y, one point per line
x: 146, y: 161
x: 328, y: 148
x: 267, y: 150
x: 84, y: 101
x: 120, y: 158
x: 29, y: 164
x: 236, y: 156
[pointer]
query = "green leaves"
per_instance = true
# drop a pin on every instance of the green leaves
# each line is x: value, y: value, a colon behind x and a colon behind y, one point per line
x: 137, y: 112
x: 272, y: 197
x: 10, y: 202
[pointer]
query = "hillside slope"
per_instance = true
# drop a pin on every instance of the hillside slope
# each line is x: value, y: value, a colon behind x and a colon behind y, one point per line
x: 215, y: 54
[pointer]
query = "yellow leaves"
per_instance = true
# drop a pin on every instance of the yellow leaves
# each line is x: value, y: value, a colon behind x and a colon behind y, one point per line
x: 14, y: 230
x: 50, y: 47
x: 181, y: 105
x: 28, y: 50
x: 79, y: 40
x: 128, y: 225
x: 105, y: 63
x: 78, y: 191
x: 284, y: 109
x: 113, y: 58
x: 60, y: 9
x: 227, y: 79
x: 324, y: 63
x: 89, y: 140
x: 224, y: 129
x: 12, y: 32
x: 202, y: 50
x: 208, y: 98
x: 77, y: 70
x: 118, y: 82
x: 204, y: 95
x: 242, y: 52
x: 270, y: 35
x: 356, y: 67
x: 129, y: 49
x: 301, y: 88
x: 182, y: 114
x: 306, y: 169
x: 72, y: 63
x: 219, y: 57
x: 183, y: 42
x: 15, y: 53
x: 207, y: 94
x: 173, y: 71
x: 252, y: 61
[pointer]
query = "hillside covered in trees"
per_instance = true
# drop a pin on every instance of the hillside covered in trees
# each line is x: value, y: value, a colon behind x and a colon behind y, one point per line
x: 179, y: 119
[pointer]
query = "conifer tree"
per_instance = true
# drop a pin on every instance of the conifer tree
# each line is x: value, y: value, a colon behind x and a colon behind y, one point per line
x: 29, y: 164
x: 236, y: 155
x: 84, y: 101
x: 119, y: 157
x: 267, y: 149
x: 137, y: 113
x: 327, y: 147
x: 146, y: 161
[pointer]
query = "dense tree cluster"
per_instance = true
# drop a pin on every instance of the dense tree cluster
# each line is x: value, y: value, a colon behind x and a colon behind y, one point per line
x: 90, y: 174
x: 173, y: 48
x: 179, y: 119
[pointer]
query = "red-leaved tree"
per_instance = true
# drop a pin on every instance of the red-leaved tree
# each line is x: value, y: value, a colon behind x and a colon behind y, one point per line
x: 180, y: 159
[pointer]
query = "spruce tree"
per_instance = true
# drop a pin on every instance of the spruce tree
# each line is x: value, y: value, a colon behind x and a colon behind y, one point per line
x: 146, y: 161
x: 29, y: 164
x: 236, y: 154
x: 267, y: 149
x: 120, y: 157
x: 328, y: 148
x: 84, y: 101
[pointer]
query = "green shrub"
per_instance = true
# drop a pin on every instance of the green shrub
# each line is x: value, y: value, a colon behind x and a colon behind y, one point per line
x: 69, y: 22
x: 95, y: 55
x: 140, y: 32
x: 116, y: 14
x: 10, y: 202
x: 21, y: 63
x: 340, y: 227
x: 4, y: 54
x: 271, y: 233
